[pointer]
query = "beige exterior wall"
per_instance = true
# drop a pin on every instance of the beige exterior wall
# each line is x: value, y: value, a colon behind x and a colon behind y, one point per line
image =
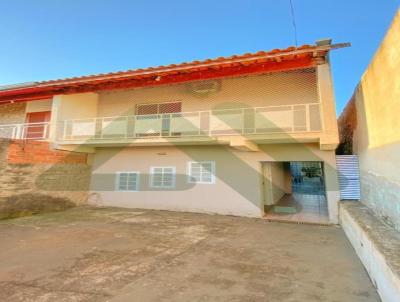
x: 377, y: 137
x: 278, y: 181
x: 74, y: 106
x: 284, y: 88
x: 39, y: 106
x: 298, y: 87
x: 238, y: 187
x: 330, y: 139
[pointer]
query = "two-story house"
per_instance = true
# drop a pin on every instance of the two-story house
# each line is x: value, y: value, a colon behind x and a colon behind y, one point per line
x: 221, y: 135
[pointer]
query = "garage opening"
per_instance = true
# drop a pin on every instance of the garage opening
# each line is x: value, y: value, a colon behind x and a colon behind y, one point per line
x: 295, y: 191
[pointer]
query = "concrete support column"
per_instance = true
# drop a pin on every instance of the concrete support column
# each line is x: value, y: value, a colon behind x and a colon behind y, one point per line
x: 330, y: 138
x: 332, y: 188
x: 72, y: 106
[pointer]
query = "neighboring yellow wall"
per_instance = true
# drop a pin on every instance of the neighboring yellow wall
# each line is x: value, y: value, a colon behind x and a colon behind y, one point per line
x: 379, y: 92
x: 376, y: 137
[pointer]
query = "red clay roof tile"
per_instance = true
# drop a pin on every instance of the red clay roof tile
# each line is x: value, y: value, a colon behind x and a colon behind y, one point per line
x: 217, y: 64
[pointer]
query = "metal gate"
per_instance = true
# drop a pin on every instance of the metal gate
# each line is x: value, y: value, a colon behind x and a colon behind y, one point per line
x: 349, y: 177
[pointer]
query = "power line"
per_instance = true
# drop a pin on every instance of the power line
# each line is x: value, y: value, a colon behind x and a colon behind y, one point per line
x: 293, y: 22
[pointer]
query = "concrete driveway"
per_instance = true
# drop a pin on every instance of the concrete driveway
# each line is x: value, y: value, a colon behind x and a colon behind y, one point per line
x: 108, y: 254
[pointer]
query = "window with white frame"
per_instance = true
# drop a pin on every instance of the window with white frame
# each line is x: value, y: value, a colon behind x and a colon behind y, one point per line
x: 127, y: 181
x: 202, y: 172
x: 162, y: 177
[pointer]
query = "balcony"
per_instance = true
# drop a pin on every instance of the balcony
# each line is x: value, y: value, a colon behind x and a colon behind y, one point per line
x: 29, y: 131
x: 286, y: 120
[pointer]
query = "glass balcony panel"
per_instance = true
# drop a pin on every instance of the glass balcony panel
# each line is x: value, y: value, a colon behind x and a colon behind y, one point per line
x: 185, y: 123
x: 86, y: 128
x: 274, y: 119
x: 226, y: 122
x: 300, y: 119
x: 115, y: 127
x: 148, y: 125
x: 315, y: 118
x: 259, y: 120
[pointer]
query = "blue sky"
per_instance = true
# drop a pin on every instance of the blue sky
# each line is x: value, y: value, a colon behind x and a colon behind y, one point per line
x: 50, y: 39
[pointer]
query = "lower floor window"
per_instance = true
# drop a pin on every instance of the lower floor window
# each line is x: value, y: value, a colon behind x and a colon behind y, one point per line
x: 127, y: 181
x: 162, y: 177
x: 201, y: 172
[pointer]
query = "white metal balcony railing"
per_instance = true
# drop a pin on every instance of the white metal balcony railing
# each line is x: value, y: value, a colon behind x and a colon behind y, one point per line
x: 241, y: 121
x: 31, y: 131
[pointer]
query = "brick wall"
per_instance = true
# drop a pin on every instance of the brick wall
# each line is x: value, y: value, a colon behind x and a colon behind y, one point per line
x: 30, y: 167
x: 12, y: 113
x: 37, y: 152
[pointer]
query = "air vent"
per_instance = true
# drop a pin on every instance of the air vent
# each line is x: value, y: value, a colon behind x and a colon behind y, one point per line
x: 204, y: 87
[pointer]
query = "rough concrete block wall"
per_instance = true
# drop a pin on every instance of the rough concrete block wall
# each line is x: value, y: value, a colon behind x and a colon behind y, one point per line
x: 12, y: 113
x: 382, y: 196
x: 67, y: 178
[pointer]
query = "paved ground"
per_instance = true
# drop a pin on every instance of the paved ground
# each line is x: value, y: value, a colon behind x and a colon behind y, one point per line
x: 132, y: 255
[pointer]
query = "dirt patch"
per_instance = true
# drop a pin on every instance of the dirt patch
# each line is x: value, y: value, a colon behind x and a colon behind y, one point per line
x: 118, y: 255
x: 31, y: 204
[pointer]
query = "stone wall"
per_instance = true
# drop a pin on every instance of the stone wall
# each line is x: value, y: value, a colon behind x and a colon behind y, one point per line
x: 12, y: 113
x: 51, y: 173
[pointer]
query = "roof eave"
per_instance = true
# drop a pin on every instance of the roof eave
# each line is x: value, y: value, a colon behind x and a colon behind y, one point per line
x: 296, y: 58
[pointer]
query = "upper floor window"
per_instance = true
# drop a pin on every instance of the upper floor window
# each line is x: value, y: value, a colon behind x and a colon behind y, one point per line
x: 202, y: 172
x: 159, y: 108
x: 162, y: 177
x: 127, y: 181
